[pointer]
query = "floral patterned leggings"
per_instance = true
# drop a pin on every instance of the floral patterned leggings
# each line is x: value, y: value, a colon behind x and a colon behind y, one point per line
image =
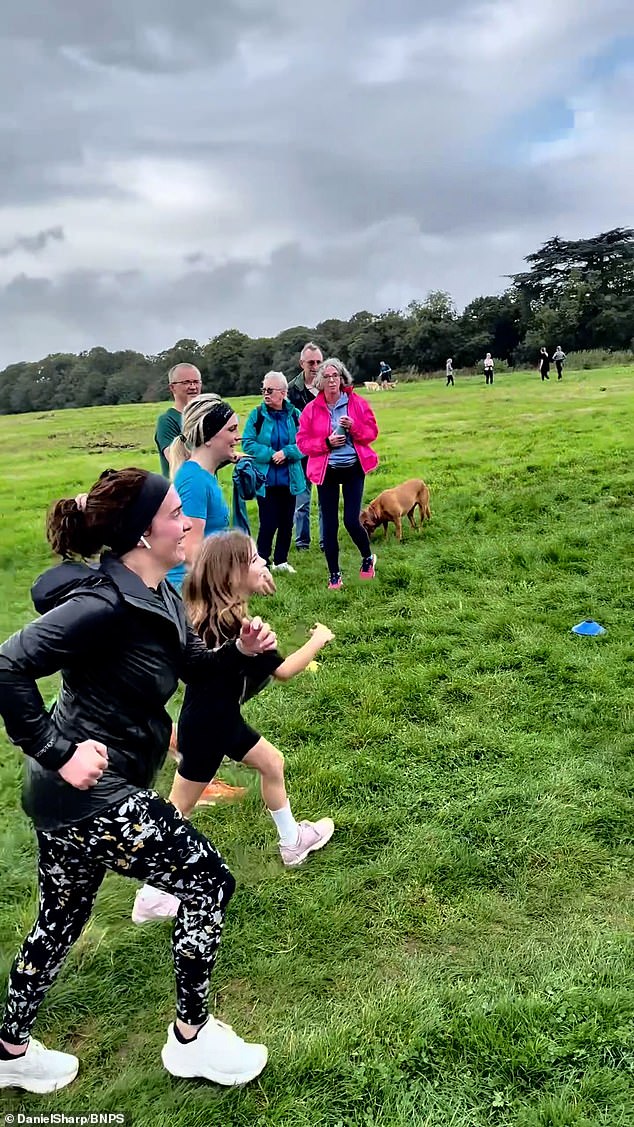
x: 145, y: 838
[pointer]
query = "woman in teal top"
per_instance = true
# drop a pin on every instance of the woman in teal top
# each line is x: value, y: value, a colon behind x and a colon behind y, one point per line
x: 209, y: 437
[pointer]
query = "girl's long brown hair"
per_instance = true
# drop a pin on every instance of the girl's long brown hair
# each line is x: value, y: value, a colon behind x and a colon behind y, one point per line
x: 216, y: 609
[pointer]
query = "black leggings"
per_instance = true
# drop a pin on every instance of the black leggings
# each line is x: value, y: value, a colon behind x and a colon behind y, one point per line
x: 351, y: 480
x: 488, y: 375
x: 277, y: 512
x: 145, y: 838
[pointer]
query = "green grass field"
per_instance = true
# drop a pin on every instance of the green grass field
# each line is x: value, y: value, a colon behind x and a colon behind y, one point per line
x: 461, y: 954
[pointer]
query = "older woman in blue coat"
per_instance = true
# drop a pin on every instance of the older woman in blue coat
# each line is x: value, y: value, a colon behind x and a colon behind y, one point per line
x: 270, y: 439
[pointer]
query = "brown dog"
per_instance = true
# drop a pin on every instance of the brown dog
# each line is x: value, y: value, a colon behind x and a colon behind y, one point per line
x: 394, y: 504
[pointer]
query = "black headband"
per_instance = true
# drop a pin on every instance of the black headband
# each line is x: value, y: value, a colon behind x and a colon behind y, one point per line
x: 138, y: 516
x: 217, y: 417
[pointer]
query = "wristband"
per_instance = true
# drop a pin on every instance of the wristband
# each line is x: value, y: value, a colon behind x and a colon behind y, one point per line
x: 241, y: 650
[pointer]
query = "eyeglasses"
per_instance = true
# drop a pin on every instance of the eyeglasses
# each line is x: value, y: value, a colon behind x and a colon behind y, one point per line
x: 313, y: 363
x: 186, y: 383
x: 270, y: 390
x: 334, y: 379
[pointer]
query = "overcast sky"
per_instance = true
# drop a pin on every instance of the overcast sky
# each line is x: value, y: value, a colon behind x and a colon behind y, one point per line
x: 174, y: 169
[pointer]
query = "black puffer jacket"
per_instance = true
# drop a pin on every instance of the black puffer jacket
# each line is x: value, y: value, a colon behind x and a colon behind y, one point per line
x: 298, y: 393
x: 121, y: 648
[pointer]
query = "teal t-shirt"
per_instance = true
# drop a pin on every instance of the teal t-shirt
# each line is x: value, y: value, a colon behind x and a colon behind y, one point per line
x: 201, y: 497
x: 168, y: 427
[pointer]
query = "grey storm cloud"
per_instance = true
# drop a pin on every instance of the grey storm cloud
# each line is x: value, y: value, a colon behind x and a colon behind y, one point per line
x: 140, y: 34
x: 259, y: 163
x: 32, y: 244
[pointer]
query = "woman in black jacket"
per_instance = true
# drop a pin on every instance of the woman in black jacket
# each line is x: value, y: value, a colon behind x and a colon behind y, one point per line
x: 544, y: 363
x: 119, y: 636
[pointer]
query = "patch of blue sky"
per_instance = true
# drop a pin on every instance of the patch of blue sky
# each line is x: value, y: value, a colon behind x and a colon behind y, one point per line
x: 553, y: 118
x: 618, y: 53
x: 546, y: 121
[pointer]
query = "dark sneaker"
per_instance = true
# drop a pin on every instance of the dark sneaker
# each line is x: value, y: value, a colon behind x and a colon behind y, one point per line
x: 336, y: 582
x: 367, y: 567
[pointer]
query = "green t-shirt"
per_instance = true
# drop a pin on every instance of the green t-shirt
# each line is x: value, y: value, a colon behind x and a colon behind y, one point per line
x: 168, y: 427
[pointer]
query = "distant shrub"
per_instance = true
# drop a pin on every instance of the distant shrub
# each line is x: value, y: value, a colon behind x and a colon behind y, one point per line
x: 597, y: 358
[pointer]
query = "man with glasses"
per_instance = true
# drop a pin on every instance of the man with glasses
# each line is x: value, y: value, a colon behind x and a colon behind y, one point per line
x: 301, y: 392
x: 185, y: 383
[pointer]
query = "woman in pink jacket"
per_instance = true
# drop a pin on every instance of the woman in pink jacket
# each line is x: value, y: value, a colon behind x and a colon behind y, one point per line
x: 335, y: 432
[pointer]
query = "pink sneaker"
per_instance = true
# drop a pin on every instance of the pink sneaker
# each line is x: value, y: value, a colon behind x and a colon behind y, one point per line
x: 335, y: 583
x: 153, y: 904
x: 312, y: 836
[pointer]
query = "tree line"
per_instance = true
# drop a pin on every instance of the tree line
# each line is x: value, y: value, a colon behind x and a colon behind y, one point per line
x: 577, y: 293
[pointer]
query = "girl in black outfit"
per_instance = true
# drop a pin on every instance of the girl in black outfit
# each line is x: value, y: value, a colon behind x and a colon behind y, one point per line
x: 544, y: 364
x: 118, y: 634
x: 226, y: 572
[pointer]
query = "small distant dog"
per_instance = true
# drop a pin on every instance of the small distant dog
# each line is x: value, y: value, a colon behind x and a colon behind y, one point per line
x: 393, y: 504
x: 372, y: 385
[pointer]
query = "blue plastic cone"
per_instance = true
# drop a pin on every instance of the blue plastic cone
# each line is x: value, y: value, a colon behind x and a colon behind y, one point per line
x: 588, y: 628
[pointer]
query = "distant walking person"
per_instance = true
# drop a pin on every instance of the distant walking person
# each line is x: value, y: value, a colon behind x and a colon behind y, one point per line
x: 544, y: 363
x: 559, y: 356
x: 184, y: 382
x: 488, y: 368
x: 449, y: 372
x: 384, y: 373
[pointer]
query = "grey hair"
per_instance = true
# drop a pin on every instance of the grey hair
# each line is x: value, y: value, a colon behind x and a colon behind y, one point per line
x: 192, y: 434
x: 310, y: 346
x: 333, y: 362
x: 279, y: 376
x: 183, y: 366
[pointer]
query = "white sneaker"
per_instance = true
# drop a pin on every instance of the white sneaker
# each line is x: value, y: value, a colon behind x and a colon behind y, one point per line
x: 39, y: 1069
x: 153, y: 904
x: 284, y: 567
x: 217, y: 1054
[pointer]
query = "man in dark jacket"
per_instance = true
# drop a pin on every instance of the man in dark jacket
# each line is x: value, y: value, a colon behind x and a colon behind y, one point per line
x: 302, y: 391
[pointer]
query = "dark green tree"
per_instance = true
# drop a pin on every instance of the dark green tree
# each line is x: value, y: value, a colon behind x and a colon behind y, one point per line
x: 432, y: 330
x: 256, y: 362
x: 223, y: 358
